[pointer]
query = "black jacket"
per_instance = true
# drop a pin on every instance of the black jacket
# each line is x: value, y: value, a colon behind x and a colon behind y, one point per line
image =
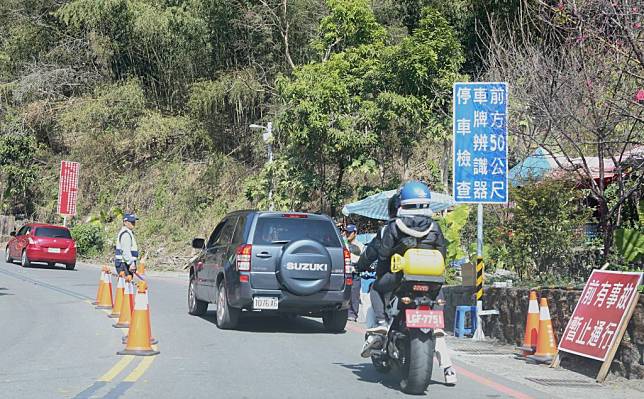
x: 397, y: 236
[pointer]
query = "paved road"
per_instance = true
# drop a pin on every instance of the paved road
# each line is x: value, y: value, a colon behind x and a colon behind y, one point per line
x: 55, y: 344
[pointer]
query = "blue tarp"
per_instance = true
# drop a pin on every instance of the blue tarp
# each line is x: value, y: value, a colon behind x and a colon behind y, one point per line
x: 533, y: 167
x: 365, y: 238
x: 375, y: 206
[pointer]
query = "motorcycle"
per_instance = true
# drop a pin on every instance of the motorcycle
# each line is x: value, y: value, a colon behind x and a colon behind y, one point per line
x: 409, y: 342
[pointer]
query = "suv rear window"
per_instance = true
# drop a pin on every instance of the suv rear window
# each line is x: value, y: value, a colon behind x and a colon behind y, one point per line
x: 52, y: 232
x: 281, y: 230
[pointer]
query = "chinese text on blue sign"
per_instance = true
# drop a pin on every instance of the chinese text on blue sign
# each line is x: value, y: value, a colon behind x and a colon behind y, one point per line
x: 480, y: 143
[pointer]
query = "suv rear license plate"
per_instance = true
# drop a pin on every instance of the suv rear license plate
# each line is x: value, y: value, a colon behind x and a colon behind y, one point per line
x: 424, y: 318
x: 54, y: 250
x: 265, y: 302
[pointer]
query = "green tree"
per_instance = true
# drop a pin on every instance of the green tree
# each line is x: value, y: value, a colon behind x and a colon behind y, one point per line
x: 18, y: 172
x: 165, y: 46
x: 544, y: 231
x: 367, y: 105
x: 351, y: 23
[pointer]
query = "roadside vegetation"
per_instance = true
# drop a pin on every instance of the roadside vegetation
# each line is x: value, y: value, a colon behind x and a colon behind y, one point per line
x: 155, y: 99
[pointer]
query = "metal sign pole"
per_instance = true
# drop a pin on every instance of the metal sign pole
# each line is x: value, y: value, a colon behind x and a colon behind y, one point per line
x: 479, y: 231
x: 65, y: 221
x: 478, y: 333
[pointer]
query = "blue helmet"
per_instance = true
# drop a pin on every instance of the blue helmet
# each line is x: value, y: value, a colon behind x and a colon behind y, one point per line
x: 415, y: 197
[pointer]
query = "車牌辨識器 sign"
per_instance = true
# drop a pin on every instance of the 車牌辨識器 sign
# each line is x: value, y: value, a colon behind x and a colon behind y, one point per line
x: 600, y: 313
x: 480, y: 143
x: 68, y: 188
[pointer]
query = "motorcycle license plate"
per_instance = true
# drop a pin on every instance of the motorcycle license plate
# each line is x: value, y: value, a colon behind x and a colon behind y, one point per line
x: 416, y: 318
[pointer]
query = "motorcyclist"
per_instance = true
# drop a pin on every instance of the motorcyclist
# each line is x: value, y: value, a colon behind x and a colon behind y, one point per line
x: 412, y: 227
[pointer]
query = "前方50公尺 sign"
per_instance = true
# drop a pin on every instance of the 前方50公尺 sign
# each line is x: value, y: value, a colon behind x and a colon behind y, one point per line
x: 480, y: 142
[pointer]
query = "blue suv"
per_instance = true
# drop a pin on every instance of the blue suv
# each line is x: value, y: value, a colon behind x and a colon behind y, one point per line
x: 288, y: 263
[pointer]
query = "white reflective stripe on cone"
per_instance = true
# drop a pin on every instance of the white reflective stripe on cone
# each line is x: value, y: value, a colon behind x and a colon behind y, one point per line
x: 544, y: 313
x: 141, y: 301
x: 533, y: 307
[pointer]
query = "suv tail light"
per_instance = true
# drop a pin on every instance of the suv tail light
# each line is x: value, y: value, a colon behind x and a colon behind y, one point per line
x: 348, y: 268
x: 243, y: 257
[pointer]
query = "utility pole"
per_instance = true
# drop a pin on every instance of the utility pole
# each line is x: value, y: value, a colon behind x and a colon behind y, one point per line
x: 267, y: 137
x: 268, y: 140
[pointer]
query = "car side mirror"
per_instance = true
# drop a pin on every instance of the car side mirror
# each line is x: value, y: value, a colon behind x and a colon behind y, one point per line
x: 12, y: 234
x: 198, y: 243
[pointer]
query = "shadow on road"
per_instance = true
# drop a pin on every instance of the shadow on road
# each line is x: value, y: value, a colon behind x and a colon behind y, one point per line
x: 268, y: 323
x: 46, y: 266
x: 4, y: 293
x: 367, y: 373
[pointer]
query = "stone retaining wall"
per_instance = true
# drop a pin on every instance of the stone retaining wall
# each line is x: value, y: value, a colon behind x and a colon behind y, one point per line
x: 509, y: 325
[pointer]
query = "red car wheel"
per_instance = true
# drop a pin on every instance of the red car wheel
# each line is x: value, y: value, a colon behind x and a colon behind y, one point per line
x: 7, y: 256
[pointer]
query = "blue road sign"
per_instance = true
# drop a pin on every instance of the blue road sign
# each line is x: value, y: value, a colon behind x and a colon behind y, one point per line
x: 480, y: 143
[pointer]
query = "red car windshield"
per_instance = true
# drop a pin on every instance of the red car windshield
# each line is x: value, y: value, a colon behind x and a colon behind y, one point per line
x: 52, y: 232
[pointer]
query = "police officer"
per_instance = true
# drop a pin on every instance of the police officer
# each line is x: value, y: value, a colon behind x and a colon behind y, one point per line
x: 127, y: 252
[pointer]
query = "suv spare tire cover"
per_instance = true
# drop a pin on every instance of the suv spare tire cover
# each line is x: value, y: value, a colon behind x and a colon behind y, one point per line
x: 304, y: 267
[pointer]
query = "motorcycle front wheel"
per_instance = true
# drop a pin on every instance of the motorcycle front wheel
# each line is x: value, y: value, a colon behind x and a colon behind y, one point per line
x: 419, y: 362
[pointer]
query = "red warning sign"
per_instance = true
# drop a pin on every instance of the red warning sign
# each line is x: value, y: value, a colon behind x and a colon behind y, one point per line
x: 68, y: 188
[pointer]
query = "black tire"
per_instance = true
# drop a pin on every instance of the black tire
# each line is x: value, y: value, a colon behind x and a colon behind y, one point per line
x: 24, y: 260
x: 70, y: 266
x: 417, y: 370
x: 7, y: 257
x: 382, y: 366
x: 227, y: 317
x: 335, y: 321
x: 196, y: 307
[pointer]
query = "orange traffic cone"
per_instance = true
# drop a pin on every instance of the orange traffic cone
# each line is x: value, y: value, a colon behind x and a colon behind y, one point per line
x: 120, y: 289
x: 105, y: 301
x: 153, y: 341
x: 531, y: 326
x: 138, y: 341
x: 126, y: 305
x: 546, y: 342
x: 100, y: 286
x: 140, y: 268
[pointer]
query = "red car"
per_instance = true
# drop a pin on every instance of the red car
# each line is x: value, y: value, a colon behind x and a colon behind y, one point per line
x: 45, y: 243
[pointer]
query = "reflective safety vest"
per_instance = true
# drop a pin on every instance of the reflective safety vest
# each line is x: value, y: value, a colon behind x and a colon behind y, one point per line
x: 118, y: 251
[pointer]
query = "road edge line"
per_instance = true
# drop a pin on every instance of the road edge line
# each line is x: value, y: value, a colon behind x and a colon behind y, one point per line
x: 116, y: 369
x: 140, y: 369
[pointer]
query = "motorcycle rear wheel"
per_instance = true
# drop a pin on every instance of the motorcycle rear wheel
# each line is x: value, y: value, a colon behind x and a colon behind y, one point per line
x: 417, y: 370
